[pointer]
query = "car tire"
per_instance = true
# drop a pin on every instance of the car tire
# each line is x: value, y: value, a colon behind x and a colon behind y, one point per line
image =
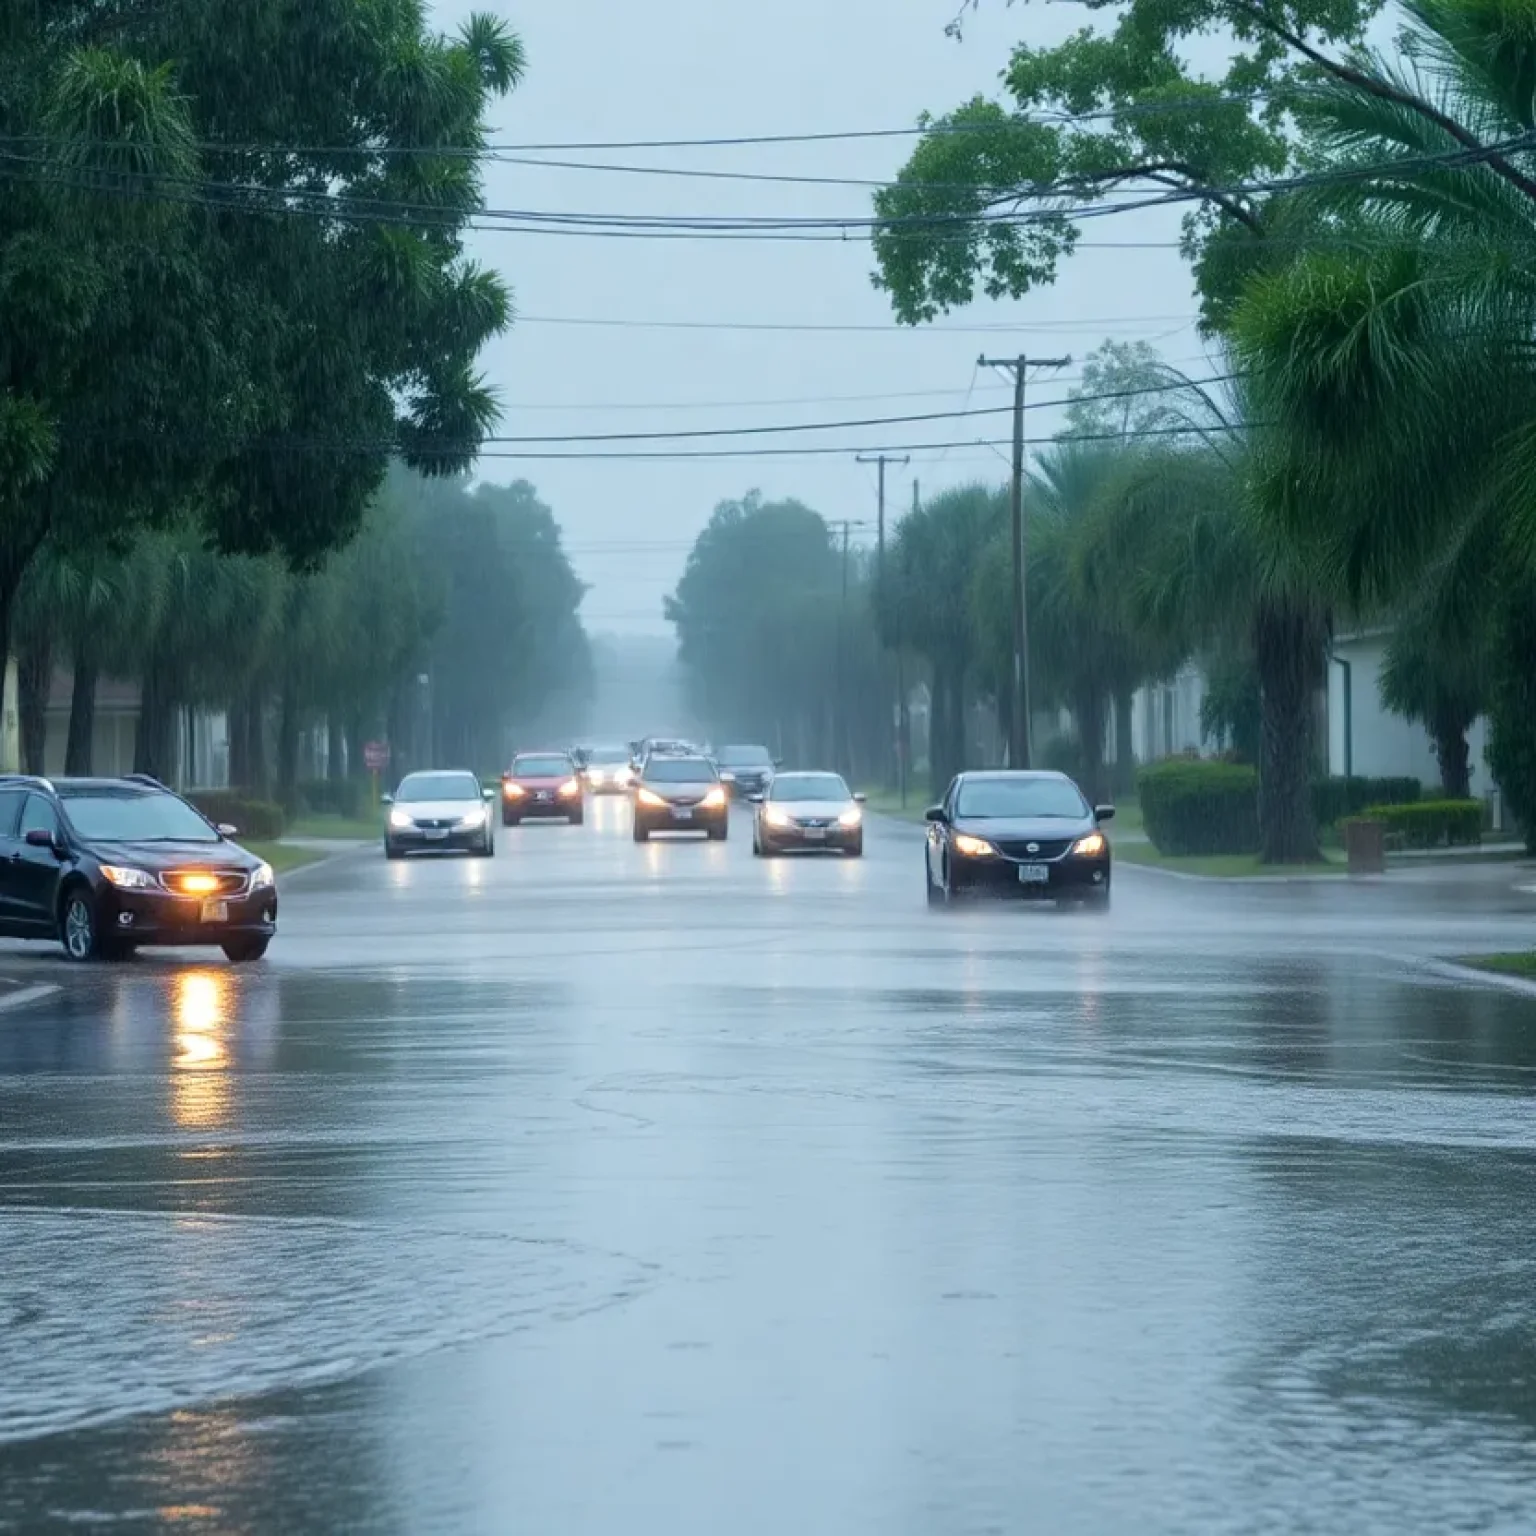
x: 390, y: 851
x: 578, y: 818
x: 1098, y: 902
x: 720, y: 833
x: 938, y: 895
x: 77, y: 925
x: 508, y: 819
x: 487, y: 848
x: 855, y: 849
x: 642, y: 833
x: 246, y: 951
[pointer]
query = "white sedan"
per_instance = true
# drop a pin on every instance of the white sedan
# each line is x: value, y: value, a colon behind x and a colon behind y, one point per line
x: 808, y: 810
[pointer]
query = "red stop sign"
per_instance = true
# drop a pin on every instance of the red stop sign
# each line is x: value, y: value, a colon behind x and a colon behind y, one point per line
x: 376, y: 755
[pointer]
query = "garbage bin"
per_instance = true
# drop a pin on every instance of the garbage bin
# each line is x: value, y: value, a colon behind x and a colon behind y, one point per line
x: 1365, y: 844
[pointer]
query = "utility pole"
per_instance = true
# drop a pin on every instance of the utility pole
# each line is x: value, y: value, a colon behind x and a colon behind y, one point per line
x: 882, y: 459
x: 1018, y: 736
x: 903, y: 715
x: 841, y: 741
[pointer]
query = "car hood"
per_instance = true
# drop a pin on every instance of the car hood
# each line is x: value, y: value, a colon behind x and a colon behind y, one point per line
x: 540, y: 781
x: 437, y: 810
x: 694, y: 791
x: 160, y: 856
x: 812, y: 810
x: 1030, y: 828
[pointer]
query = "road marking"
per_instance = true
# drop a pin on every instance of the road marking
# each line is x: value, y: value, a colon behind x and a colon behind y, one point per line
x: 25, y: 995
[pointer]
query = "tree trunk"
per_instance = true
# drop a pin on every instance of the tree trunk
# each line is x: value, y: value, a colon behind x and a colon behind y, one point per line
x: 80, y: 749
x: 34, y: 677
x: 1125, y: 748
x: 288, y: 745
x: 1288, y: 650
x: 938, y: 732
x: 154, y: 746
x: 1453, y: 755
x: 336, y: 764
x: 238, y: 716
x: 1089, y: 711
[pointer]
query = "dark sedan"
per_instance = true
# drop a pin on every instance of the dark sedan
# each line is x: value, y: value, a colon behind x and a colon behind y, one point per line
x: 1029, y: 835
x: 746, y: 770
x: 680, y: 794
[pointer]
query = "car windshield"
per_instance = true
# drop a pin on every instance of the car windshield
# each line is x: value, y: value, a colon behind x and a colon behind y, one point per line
x: 679, y: 770
x: 1046, y: 798
x: 439, y: 786
x: 548, y: 766
x: 608, y: 755
x: 809, y: 786
x: 136, y: 818
x: 745, y: 757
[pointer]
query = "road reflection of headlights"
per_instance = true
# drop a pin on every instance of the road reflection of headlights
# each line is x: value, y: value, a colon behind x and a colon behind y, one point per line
x: 974, y: 847
x: 714, y: 799
x: 851, y: 817
x: 399, y: 818
x: 1092, y: 844
x: 776, y: 817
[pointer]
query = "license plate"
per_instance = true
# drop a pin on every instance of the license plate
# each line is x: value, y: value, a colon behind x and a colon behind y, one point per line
x: 815, y: 834
x: 682, y: 815
x: 215, y: 911
x: 1034, y: 874
x: 542, y: 795
x: 436, y: 834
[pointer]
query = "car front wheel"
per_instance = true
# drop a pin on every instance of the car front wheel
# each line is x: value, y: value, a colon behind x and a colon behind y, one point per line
x: 77, y: 926
x: 245, y: 951
x: 642, y: 834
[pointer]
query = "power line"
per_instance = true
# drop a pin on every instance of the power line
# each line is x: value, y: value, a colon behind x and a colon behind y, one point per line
x: 989, y: 329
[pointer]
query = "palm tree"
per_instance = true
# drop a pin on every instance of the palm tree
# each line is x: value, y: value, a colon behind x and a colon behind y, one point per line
x: 933, y: 562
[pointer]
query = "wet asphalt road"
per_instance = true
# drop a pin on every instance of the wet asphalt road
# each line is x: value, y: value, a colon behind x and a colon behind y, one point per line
x: 603, y: 1188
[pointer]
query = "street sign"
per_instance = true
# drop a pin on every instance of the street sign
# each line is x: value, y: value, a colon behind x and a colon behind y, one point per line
x: 375, y: 755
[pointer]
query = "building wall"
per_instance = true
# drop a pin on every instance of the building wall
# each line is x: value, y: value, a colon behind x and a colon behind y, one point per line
x: 1165, y: 717
x: 1385, y: 745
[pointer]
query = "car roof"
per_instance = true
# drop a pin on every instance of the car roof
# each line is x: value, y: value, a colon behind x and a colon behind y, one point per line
x: 137, y: 785
x: 1013, y: 773
x: 542, y: 752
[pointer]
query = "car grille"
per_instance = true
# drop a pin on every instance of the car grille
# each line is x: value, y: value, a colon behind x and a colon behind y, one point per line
x: 434, y: 824
x: 1042, y: 848
x: 230, y: 882
x: 813, y: 822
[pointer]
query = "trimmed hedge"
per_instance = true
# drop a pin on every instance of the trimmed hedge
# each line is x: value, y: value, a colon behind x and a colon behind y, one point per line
x: 260, y: 820
x: 1433, y: 823
x: 1336, y: 800
x: 351, y: 798
x: 1189, y: 806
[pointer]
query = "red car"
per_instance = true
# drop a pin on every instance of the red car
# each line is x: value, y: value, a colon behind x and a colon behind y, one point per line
x: 541, y: 784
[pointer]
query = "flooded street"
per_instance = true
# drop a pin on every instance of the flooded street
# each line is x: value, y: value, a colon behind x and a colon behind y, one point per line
x: 603, y: 1187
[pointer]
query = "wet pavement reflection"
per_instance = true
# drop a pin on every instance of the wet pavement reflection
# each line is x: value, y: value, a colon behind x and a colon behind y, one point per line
x: 603, y: 1187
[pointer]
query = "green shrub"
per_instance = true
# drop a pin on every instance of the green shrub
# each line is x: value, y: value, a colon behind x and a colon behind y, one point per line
x: 1194, y: 806
x: 260, y: 820
x: 1336, y: 800
x: 1433, y: 823
x: 351, y: 798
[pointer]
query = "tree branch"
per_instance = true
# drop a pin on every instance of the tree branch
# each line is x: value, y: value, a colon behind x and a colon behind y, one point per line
x: 1383, y: 91
x: 1168, y: 173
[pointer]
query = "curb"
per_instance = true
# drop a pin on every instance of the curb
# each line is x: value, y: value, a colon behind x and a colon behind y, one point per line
x: 1450, y: 971
x: 1121, y: 865
x: 330, y: 858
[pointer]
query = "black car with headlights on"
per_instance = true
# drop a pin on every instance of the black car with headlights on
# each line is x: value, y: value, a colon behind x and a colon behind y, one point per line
x: 1023, y: 834
x: 105, y: 865
x: 680, y: 794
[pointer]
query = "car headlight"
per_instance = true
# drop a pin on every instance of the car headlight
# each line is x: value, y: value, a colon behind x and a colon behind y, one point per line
x: 513, y: 791
x: 624, y: 775
x: 851, y: 817
x: 128, y: 879
x: 569, y: 788
x: 649, y: 797
x: 1093, y: 843
x: 775, y: 817
x: 974, y: 847
x: 399, y: 818
x: 714, y: 799
x: 261, y: 877
x: 474, y: 818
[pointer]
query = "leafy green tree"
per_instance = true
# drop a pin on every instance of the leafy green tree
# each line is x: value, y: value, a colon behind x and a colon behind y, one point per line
x: 996, y: 193
x: 1131, y: 370
x: 204, y: 320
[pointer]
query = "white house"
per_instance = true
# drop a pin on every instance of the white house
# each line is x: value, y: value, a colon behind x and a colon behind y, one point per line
x: 1165, y: 717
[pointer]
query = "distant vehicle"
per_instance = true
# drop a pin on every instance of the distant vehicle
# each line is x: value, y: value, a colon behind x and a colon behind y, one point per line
x: 439, y: 810
x: 746, y: 769
x: 808, y: 810
x: 1017, y: 834
x: 580, y: 756
x: 680, y: 794
x: 541, y: 785
x: 105, y: 865
x: 607, y: 770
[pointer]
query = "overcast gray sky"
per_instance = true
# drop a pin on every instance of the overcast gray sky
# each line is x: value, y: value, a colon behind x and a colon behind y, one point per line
x: 602, y: 70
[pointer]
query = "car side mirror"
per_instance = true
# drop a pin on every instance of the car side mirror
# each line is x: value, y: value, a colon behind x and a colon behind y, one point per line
x: 39, y: 837
x: 935, y: 813
x: 860, y: 799
x: 386, y: 799
x: 756, y: 799
x: 487, y: 793
x: 726, y: 776
x: 225, y: 829
x: 778, y: 762
x: 1104, y: 812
